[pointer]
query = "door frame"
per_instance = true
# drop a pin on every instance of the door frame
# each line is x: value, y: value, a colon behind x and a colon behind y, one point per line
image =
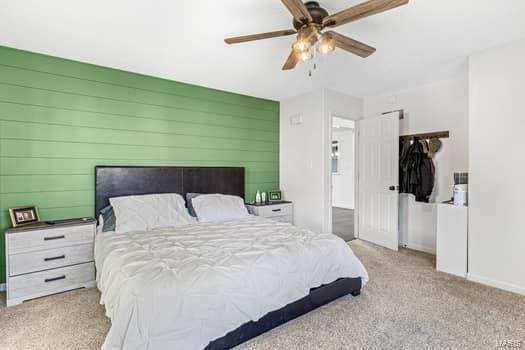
x: 328, y: 170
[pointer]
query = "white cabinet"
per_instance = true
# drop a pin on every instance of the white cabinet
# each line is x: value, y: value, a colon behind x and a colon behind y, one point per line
x: 44, y: 259
x: 280, y: 211
x: 451, y: 239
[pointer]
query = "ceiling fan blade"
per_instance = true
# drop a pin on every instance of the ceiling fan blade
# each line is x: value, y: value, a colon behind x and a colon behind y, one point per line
x: 365, y: 9
x: 291, y: 62
x: 351, y: 45
x: 298, y: 10
x: 242, y: 39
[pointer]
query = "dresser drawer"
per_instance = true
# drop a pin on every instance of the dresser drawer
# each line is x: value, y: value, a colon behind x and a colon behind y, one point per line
x: 49, y: 259
x: 287, y: 219
x: 273, y: 210
x: 52, y: 281
x: 50, y: 238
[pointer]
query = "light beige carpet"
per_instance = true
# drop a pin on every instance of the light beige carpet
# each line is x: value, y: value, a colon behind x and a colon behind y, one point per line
x: 406, y: 305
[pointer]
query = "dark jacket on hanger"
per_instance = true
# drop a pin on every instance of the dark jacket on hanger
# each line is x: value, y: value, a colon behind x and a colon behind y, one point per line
x: 416, y: 170
x: 404, y: 148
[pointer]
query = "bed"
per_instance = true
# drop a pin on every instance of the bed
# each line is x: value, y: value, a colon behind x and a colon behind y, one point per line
x: 210, y: 285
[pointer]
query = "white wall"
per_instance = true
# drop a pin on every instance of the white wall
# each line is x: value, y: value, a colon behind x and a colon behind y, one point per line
x: 497, y: 144
x: 305, y: 153
x: 343, y: 182
x: 439, y: 106
x: 301, y: 157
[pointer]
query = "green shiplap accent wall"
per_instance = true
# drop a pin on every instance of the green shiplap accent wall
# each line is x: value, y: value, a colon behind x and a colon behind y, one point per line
x: 60, y: 118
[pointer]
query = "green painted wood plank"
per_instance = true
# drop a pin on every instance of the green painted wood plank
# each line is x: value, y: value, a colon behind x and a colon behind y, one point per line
x: 165, y: 123
x: 41, y: 183
x: 23, y: 148
x: 20, y: 94
x: 206, y: 107
x: 50, y: 199
x: 22, y: 77
x: 59, y: 133
x: 54, y: 165
x: 44, y: 63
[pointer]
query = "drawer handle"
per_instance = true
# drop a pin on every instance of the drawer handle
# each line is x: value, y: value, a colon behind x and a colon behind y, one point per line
x: 47, y: 280
x: 55, y: 258
x: 276, y: 210
x: 53, y: 238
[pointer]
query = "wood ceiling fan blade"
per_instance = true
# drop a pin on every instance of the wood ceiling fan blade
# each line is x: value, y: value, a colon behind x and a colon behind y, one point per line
x: 365, y: 9
x: 298, y: 10
x: 351, y: 45
x: 261, y: 36
x: 291, y: 61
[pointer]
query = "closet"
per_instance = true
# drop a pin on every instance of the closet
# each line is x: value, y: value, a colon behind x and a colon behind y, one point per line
x: 419, y: 156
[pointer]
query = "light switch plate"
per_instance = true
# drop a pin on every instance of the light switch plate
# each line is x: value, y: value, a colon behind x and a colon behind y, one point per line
x: 296, y: 119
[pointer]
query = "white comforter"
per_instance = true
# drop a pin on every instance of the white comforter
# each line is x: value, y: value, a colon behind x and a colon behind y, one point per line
x: 184, y: 287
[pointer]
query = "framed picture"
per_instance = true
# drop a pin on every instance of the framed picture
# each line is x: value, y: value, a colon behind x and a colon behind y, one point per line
x: 24, y: 216
x: 275, y: 196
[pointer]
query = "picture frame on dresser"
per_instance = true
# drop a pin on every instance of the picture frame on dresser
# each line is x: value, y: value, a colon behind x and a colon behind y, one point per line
x: 24, y: 216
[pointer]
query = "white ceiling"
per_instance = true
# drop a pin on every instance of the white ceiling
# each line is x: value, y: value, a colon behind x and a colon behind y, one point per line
x: 183, y: 40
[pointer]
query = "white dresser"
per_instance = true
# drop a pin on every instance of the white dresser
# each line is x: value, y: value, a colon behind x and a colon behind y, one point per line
x: 44, y: 259
x: 451, y: 239
x: 278, y: 211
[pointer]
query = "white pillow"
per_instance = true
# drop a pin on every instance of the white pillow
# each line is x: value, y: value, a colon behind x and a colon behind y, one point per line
x: 147, y: 212
x: 219, y: 207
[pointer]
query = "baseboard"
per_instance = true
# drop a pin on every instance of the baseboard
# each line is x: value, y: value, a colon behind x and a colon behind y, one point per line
x: 497, y: 284
x: 420, y: 248
x: 2, y: 287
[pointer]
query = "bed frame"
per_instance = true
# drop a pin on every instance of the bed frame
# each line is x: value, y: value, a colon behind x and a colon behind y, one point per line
x: 114, y: 181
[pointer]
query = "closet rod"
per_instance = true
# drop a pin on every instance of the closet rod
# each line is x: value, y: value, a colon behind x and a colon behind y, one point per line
x: 428, y: 135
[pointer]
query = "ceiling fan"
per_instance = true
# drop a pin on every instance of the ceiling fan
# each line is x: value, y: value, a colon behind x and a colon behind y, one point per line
x: 310, y: 20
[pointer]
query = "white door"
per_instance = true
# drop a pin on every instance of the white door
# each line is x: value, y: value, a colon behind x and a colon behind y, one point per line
x: 378, y: 180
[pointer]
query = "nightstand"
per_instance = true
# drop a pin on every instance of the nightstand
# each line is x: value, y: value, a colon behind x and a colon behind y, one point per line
x: 279, y: 211
x: 44, y: 259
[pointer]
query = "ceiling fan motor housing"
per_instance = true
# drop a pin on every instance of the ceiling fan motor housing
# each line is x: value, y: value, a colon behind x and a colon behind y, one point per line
x: 316, y: 11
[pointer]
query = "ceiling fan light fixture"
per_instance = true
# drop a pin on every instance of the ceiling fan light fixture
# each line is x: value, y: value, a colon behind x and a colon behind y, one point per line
x: 302, y: 43
x: 326, y: 44
x: 301, y: 46
x: 305, y: 55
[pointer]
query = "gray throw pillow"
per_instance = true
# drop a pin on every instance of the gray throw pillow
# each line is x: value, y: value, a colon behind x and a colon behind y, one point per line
x: 108, y: 215
x: 189, y: 198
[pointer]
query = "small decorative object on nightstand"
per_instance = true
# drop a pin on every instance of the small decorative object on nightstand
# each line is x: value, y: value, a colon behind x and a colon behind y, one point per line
x: 279, y: 211
x: 275, y: 196
x: 48, y: 258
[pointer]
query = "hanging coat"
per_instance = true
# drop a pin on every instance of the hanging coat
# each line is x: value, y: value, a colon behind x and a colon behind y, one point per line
x: 404, y: 148
x: 417, y: 171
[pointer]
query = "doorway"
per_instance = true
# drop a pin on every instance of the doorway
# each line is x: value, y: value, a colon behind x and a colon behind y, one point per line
x: 343, y: 189
x: 375, y: 178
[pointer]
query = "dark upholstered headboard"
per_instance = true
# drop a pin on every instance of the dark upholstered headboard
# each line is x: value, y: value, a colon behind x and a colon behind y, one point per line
x: 115, y: 181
